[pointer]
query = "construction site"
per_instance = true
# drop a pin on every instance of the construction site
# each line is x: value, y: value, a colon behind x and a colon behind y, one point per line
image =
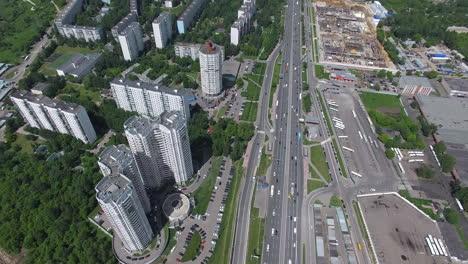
x: 346, y: 33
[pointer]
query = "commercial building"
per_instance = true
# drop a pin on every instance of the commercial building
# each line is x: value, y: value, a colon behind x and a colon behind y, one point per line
x: 449, y: 114
x: 161, y: 148
x: 131, y: 41
x: 79, y: 65
x: 40, y: 88
x: 184, y: 21
x: 169, y: 4
x: 118, y: 161
x: 437, y: 56
x: 243, y: 23
x: 162, y: 29
x: 458, y: 87
x: 411, y: 85
x: 42, y: 112
x: 66, y: 18
x: 149, y: 99
x: 191, y: 50
x: 211, y: 68
x: 120, y: 202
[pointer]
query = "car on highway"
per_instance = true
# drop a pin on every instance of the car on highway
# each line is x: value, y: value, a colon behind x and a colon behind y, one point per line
x: 268, y: 248
x: 274, y: 213
x: 272, y: 231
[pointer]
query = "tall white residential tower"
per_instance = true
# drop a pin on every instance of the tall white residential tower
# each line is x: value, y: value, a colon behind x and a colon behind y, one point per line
x: 211, y: 68
x: 120, y: 202
x: 118, y: 160
x: 149, y: 99
x: 161, y: 148
x: 40, y: 111
x: 131, y: 41
x: 162, y: 29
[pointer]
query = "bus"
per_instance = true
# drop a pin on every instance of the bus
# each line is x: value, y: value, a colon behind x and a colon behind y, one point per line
x: 272, y: 192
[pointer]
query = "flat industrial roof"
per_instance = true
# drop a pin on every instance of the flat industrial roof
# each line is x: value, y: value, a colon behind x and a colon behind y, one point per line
x: 412, y: 80
x: 457, y: 84
x: 450, y: 114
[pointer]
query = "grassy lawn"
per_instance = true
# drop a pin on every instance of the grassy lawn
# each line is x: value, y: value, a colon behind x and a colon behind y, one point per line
x: 318, y: 159
x: 25, y: 143
x: 265, y: 162
x: 363, y: 230
x: 305, y: 141
x: 340, y: 159
x: 275, y: 80
x: 172, y: 242
x: 223, y: 247
x: 221, y: 112
x: 335, y: 201
x: 176, y: 11
x: 250, y: 111
x: 256, y: 232
x: 320, y: 72
x: 74, y: 89
x: 202, y: 194
x: 193, y: 247
x: 64, y: 53
x: 314, y: 185
x: 252, y: 93
x: 313, y: 175
x: 324, y: 110
x: 423, y: 204
x: 306, y: 103
x: 376, y: 101
x: 10, y: 75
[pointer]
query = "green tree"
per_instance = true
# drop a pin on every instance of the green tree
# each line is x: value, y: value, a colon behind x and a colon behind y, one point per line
x: 447, y: 162
x: 239, y: 83
x: 425, y: 172
x: 451, y: 216
x: 432, y: 74
x: 390, y: 153
x: 440, y: 147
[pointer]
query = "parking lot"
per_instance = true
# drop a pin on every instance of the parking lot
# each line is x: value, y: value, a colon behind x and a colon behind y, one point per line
x: 208, y: 225
x: 398, y: 230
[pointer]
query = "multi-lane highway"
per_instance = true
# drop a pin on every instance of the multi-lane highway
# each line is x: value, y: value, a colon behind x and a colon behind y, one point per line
x: 282, y: 227
x: 239, y: 249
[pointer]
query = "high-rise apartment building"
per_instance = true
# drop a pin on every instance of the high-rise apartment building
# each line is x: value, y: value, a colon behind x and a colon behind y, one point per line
x: 149, y: 99
x: 243, y: 23
x: 191, y: 50
x: 131, y: 41
x: 162, y: 29
x: 40, y: 111
x: 118, y: 161
x: 161, y: 148
x: 120, y: 202
x: 211, y: 68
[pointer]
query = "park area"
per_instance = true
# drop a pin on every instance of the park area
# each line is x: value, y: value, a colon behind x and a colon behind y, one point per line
x: 384, y: 103
x: 60, y: 56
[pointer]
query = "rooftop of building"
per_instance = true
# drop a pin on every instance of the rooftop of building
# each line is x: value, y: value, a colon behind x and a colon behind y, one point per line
x: 40, y: 87
x: 116, y: 157
x: 176, y: 206
x: 79, y: 63
x: 163, y: 16
x: 131, y: 17
x: 194, y: 4
x: 142, y: 125
x: 47, y: 101
x: 111, y: 188
x: 187, y: 45
x: 64, y: 12
x: 82, y: 27
x: 130, y: 27
x: 412, y: 80
x: 210, y: 48
x: 449, y: 114
x: 457, y: 84
x: 152, y: 87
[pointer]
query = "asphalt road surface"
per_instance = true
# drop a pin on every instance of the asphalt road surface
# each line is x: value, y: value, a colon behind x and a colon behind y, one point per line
x: 282, y: 226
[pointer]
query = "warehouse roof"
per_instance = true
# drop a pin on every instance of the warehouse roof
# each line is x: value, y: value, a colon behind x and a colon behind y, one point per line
x: 412, y: 80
